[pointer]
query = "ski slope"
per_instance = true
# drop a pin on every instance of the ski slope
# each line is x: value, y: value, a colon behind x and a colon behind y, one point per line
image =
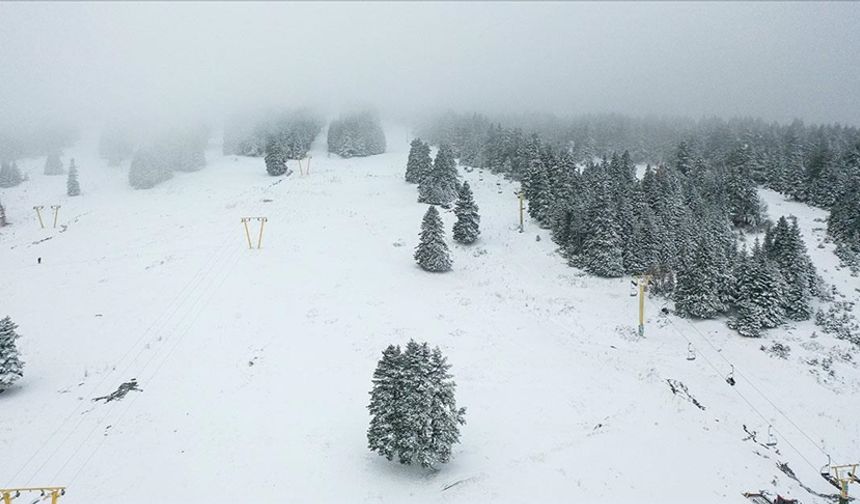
x: 255, y: 365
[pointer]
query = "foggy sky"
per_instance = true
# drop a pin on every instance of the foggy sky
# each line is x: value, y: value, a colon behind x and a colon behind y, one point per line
x: 774, y: 60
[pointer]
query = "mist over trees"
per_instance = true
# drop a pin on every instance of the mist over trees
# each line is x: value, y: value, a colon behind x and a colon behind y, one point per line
x: 116, y: 143
x: 356, y: 135
x: 174, y: 150
x: 249, y: 134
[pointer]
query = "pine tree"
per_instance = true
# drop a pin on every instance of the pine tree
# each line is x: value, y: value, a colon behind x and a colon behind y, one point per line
x: 697, y: 291
x: 795, y: 179
x: 148, y: 168
x: 73, y: 188
x: 844, y: 221
x: 602, y: 249
x: 386, y: 405
x: 276, y: 161
x: 432, y: 251
x: 2, y: 215
x: 466, y: 229
x: 683, y: 158
x: 748, y: 321
x: 414, y: 413
x: 759, y: 292
x: 538, y: 192
x: 419, y: 163
x: 11, y: 366
x: 53, y: 165
x: 10, y: 176
x: 356, y: 135
x: 785, y: 248
x: 440, y: 185
x: 744, y: 206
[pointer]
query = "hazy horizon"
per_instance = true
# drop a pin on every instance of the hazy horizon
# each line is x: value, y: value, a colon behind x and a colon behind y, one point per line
x: 777, y: 61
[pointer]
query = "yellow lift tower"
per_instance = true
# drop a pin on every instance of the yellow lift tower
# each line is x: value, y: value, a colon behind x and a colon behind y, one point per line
x: 9, y: 494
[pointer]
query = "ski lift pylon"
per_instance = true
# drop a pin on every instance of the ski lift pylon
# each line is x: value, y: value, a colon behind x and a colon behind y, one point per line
x: 691, y: 354
x: 730, y: 379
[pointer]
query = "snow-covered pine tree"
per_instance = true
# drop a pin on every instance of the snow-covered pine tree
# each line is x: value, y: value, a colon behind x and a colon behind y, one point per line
x: 697, y: 291
x: 11, y: 366
x: 358, y: 134
x: 439, y: 186
x: 414, y: 413
x: 2, y: 215
x: 683, y: 158
x: 759, y: 290
x: 444, y: 415
x: 744, y: 206
x: 602, y: 250
x: 386, y: 405
x: 844, y: 221
x: 748, y: 322
x: 466, y: 229
x: 538, y: 192
x: 5, y: 172
x: 784, y: 246
x: 53, y: 165
x: 795, y: 178
x: 432, y: 251
x: 10, y: 176
x: 419, y: 163
x: 276, y: 161
x: 148, y: 168
x: 73, y: 188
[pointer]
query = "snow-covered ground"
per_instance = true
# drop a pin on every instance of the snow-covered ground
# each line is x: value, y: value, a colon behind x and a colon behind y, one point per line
x: 255, y: 364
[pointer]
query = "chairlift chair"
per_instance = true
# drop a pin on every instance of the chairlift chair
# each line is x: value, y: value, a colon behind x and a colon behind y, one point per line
x: 771, y: 439
x: 691, y: 354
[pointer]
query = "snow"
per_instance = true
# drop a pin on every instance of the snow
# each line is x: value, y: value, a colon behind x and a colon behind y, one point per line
x: 255, y: 365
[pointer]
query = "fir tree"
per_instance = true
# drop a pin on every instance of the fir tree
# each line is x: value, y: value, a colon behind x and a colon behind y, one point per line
x: 683, y: 158
x: 10, y: 176
x: 432, y: 251
x: 602, y: 249
x: 414, y: 413
x: 538, y: 192
x: 11, y: 366
x: 748, y: 321
x: 466, y: 229
x: 53, y: 165
x: 844, y: 221
x: 276, y: 160
x: 356, y: 135
x: 386, y: 405
x: 795, y: 179
x: 419, y: 163
x: 697, y: 291
x: 439, y: 186
x: 759, y: 291
x: 73, y: 188
x: 785, y: 248
x: 2, y: 215
x: 744, y: 206
x: 148, y: 168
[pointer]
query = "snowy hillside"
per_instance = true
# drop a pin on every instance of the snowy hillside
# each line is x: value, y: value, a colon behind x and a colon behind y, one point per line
x: 255, y: 365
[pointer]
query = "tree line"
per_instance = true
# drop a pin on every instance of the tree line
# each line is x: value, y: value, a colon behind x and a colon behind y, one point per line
x: 684, y: 220
x: 354, y: 135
